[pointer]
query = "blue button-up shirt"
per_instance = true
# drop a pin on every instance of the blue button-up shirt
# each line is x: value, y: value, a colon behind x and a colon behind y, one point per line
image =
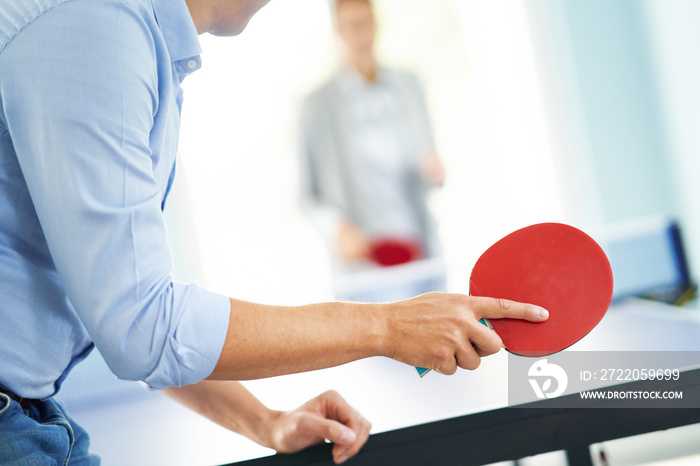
x: 90, y: 105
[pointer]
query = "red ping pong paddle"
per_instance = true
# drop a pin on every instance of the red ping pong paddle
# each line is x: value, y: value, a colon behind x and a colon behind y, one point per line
x: 551, y: 265
x: 394, y: 251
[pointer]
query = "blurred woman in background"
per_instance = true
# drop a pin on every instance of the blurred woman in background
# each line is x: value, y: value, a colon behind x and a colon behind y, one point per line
x: 368, y: 155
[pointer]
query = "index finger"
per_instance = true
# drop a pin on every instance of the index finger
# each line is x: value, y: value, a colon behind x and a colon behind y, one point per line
x: 499, y: 308
x: 340, y: 410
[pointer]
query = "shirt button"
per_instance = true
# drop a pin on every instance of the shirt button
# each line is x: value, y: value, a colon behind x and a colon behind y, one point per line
x: 192, y: 64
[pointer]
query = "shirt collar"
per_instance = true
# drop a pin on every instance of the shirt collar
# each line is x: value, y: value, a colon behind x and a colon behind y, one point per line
x: 350, y: 78
x: 178, y: 29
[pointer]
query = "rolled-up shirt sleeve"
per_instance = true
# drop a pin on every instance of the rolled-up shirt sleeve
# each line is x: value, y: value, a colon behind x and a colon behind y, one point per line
x: 81, y: 119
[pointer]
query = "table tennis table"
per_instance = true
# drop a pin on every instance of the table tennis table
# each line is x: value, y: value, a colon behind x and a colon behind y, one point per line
x: 515, y: 432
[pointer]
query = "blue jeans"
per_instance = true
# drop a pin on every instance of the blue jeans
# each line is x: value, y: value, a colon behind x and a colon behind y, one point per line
x: 42, y: 434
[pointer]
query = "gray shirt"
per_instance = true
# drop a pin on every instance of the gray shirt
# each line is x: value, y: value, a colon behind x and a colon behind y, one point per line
x: 382, y: 156
x: 362, y: 146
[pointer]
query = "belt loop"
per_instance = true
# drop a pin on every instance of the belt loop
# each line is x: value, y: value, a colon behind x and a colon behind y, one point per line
x: 5, y: 400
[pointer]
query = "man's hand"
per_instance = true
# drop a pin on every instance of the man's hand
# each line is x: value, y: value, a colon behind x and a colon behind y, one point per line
x: 326, y: 417
x: 442, y: 331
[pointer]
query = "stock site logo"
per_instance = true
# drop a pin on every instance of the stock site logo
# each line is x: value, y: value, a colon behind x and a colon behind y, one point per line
x: 541, y: 376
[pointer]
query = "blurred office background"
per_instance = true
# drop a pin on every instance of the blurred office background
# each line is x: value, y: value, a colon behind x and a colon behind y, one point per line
x: 239, y: 138
x: 580, y: 112
x: 583, y: 112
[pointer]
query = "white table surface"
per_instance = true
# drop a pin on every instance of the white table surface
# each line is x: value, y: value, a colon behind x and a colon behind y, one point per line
x: 152, y: 429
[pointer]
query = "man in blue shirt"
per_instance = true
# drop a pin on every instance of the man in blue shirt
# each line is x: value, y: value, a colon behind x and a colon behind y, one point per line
x: 90, y: 105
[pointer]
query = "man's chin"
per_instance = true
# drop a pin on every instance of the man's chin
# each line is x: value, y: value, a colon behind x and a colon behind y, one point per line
x: 229, y: 30
x: 247, y: 9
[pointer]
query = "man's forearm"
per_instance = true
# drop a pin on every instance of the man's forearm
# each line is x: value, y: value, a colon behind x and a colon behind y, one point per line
x: 439, y: 331
x: 230, y: 405
x: 264, y: 341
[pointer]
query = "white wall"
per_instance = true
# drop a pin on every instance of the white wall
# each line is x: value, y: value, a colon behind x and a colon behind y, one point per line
x: 675, y: 44
x: 623, y: 101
